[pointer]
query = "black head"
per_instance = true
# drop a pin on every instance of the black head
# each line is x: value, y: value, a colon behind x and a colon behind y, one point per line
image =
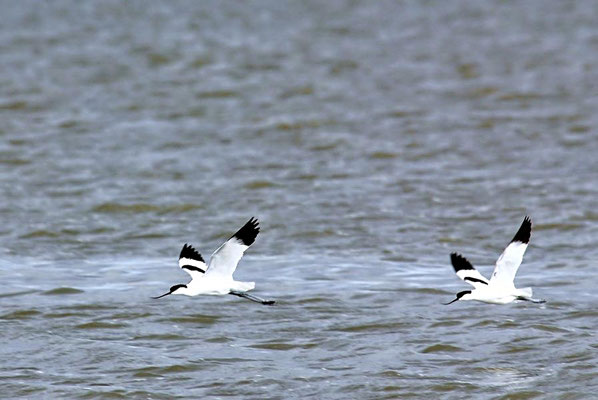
x: 459, y: 295
x: 172, y: 290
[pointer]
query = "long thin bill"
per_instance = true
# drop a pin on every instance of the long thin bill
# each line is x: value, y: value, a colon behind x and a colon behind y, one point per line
x: 446, y: 304
x: 159, y: 297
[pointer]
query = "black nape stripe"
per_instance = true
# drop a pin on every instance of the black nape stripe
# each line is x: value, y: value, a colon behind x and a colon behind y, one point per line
x: 468, y: 278
x: 524, y: 232
x: 460, y: 263
x: 248, y: 232
x: 193, y: 268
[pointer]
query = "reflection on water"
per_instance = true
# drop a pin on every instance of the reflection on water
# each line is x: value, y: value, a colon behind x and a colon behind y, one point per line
x: 370, y: 139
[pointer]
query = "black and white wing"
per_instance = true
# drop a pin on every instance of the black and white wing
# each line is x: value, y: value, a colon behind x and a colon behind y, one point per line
x: 467, y: 272
x: 509, y: 261
x: 225, y: 259
x: 192, y: 262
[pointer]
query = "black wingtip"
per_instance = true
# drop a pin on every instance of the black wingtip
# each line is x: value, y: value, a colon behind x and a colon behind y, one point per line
x: 524, y: 232
x: 248, y: 232
x: 460, y: 263
x: 189, y: 252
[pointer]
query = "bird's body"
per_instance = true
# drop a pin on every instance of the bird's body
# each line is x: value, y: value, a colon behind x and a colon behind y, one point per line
x: 498, y: 295
x: 214, y: 287
x: 500, y: 289
x: 216, y: 278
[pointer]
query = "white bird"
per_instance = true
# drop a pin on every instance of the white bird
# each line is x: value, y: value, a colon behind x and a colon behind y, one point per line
x: 216, y: 278
x: 500, y: 288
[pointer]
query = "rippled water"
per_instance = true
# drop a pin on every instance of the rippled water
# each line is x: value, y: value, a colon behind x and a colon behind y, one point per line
x: 371, y: 139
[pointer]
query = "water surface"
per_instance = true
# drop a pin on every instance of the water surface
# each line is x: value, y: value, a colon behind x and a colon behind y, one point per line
x: 371, y: 139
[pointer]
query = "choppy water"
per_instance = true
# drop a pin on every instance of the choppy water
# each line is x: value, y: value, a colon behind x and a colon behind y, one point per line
x: 370, y: 138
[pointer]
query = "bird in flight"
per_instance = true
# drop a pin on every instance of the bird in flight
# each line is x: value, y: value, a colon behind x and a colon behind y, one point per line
x: 216, y: 278
x: 500, y: 289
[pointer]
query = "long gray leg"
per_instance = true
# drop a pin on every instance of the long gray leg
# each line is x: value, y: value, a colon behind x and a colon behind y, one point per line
x: 537, y: 301
x: 252, y: 297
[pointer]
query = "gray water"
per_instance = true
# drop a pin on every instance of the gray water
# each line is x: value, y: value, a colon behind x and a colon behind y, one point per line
x: 371, y: 139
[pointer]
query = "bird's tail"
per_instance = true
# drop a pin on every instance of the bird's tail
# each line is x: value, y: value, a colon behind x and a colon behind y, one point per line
x: 525, y: 292
x: 243, y: 286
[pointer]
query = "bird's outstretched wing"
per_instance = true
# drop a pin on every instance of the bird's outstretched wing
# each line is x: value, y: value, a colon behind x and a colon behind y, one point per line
x: 467, y: 272
x: 192, y: 262
x: 509, y: 261
x: 225, y: 259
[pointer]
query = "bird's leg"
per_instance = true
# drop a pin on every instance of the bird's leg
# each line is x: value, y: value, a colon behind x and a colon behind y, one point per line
x: 252, y: 297
x: 537, y: 301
